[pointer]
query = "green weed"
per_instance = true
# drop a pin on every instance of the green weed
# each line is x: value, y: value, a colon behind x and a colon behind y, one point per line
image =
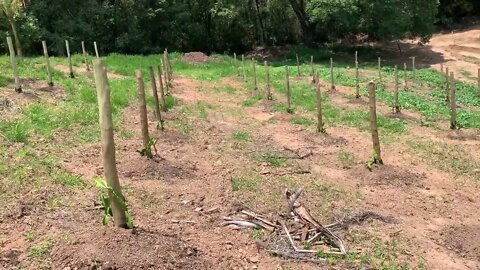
x: 245, y: 182
x: 241, y: 136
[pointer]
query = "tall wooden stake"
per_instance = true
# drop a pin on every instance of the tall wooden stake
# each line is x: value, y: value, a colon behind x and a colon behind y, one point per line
x: 254, y: 75
x: 478, y: 80
x: 405, y: 82
x: 158, y: 113
x: 453, y: 103
x: 96, y: 49
x: 243, y: 68
x: 413, y: 67
x: 142, y: 108
x: 287, y: 91
x: 47, y: 63
x: 298, y: 65
x: 320, y: 127
x: 85, y: 58
x: 165, y: 75
x: 357, y: 77
x: 379, y: 69
x: 108, y: 144
x: 162, y: 93
x: 377, y: 157
x: 447, y: 85
x: 13, y: 61
x: 331, y: 74
x: 236, y: 63
x: 313, y: 69
x: 396, y: 107
x: 267, y: 73
x: 70, y: 67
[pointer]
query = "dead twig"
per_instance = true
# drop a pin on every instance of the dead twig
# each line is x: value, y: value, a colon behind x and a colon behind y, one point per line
x: 260, y: 218
x: 295, y: 257
x: 360, y: 218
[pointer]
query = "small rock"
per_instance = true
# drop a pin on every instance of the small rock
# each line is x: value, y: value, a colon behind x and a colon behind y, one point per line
x: 254, y: 259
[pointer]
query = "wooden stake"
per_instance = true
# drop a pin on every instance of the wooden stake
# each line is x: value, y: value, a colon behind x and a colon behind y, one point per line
x: 331, y: 74
x: 235, y: 63
x: 108, y: 144
x: 158, y: 113
x: 379, y: 69
x: 405, y: 82
x: 441, y: 68
x: 96, y: 49
x: 447, y: 85
x: 396, y: 106
x: 267, y: 72
x: 254, y: 75
x: 320, y: 127
x: 13, y: 61
x: 357, y: 77
x: 70, y: 67
x: 298, y: 65
x: 162, y: 93
x: 413, y: 67
x: 142, y: 108
x: 478, y: 80
x: 170, y: 70
x: 243, y: 68
x: 47, y: 63
x: 287, y: 91
x: 165, y: 74
x: 313, y: 69
x: 377, y: 157
x: 453, y: 104
x: 85, y: 58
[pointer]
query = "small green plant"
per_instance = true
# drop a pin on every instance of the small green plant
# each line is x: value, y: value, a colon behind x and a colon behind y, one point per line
x: 67, y: 179
x: 244, y: 183
x: 29, y: 236
x: 41, y: 250
x: 257, y: 234
x: 347, y: 159
x: 272, y: 159
x: 148, y: 150
x: 249, y: 102
x: 105, y: 202
x: 241, y: 136
x: 302, y: 121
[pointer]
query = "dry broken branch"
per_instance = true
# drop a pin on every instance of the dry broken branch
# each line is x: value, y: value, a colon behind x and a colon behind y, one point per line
x: 360, y: 218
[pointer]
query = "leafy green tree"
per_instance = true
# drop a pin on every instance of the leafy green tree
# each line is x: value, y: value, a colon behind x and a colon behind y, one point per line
x: 10, y: 9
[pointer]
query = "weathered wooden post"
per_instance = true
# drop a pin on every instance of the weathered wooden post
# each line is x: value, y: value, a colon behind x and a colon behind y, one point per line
x: 453, y: 103
x: 396, y: 106
x: 320, y: 127
x: 243, y: 68
x: 287, y: 91
x: 236, y: 63
x: 108, y: 145
x: 96, y: 49
x: 13, y: 61
x: 447, y: 85
x: 357, y: 77
x: 162, y: 93
x: 478, y: 79
x: 70, y: 67
x: 169, y: 66
x: 379, y: 70
x: 47, y: 63
x: 313, y: 69
x: 441, y: 68
x: 165, y: 75
x: 158, y: 113
x: 298, y: 65
x: 142, y: 108
x: 413, y: 67
x: 331, y: 74
x: 377, y: 157
x: 267, y: 73
x: 85, y: 58
x: 405, y: 82
x: 254, y: 75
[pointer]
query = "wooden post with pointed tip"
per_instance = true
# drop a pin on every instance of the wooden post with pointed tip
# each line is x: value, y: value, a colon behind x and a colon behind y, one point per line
x: 267, y: 74
x: 96, y: 49
x: 379, y: 70
x: 377, y: 157
x: 453, y: 103
x: 298, y: 65
x: 320, y: 127
x: 255, y: 87
x: 405, y: 82
x: 396, y: 106
x: 357, y: 77
x: 47, y: 63
x: 162, y: 93
x: 142, y: 108
x: 447, y: 85
x: 108, y: 144
x: 243, y: 68
x: 158, y: 113
x: 69, y: 56
x: 287, y: 91
x: 331, y: 74
x: 85, y: 57
x: 413, y: 67
x: 13, y: 62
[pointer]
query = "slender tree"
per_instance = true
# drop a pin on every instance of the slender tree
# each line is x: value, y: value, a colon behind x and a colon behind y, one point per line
x: 11, y: 8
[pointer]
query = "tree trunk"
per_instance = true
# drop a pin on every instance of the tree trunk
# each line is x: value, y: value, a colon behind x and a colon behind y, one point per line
x: 308, y: 28
x: 158, y: 113
x: 260, y: 22
x: 142, y: 108
x: 18, y: 45
x: 377, y: 157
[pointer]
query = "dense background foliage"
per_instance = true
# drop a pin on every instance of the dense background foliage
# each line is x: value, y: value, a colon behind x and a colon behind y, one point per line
x: 146, y: 26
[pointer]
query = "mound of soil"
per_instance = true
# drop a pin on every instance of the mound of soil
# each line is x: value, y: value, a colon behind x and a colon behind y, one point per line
x: 196, y: 57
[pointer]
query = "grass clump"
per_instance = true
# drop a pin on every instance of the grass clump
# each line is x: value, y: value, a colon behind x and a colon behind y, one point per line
x: 302, y: 121
x: 252, y: 100
x: 241, y: 136
x: 244, y: 183
x: 272, y: 159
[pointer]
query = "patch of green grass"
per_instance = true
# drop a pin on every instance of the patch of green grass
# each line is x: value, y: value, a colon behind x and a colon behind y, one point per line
x: 279, y: 107
x: 41, y: 250
x: 245, y: 182
x: 30, y: 236
x: 241, y: 136
x: 67, y: 179
x: 257, y: 234
x: 16, y: 130
x: 271, y: 159
x: 347, y: 159
x: 126, y: 134
x: 252, y: 100
x: 170, y: 101
x: 225, y: 89
x: 302, y: 121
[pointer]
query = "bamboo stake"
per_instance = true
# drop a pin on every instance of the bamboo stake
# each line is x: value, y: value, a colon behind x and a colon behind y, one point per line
x: 85, y: 58
x: 379, y: 69
x: 70, y: 67
x: 142, y: 108
x: 405, y: 82
x: 447, y: 85
x: 357, y: 77
x: 453, y: 104
x: 108, y: 144
x: 243, y: 68
x: 331, y: 74
x: 298, y: 65
x: 320, y: 127
x: 47, y: 63
x: 396, y: 107
x: 162, y: 93
x: 377, y: 157
x: 96, y: 49
x: 287, y: 91
x: 254, y: 75
x: 267, y: 72
x: 158, y: 113
x: 13, y: 61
